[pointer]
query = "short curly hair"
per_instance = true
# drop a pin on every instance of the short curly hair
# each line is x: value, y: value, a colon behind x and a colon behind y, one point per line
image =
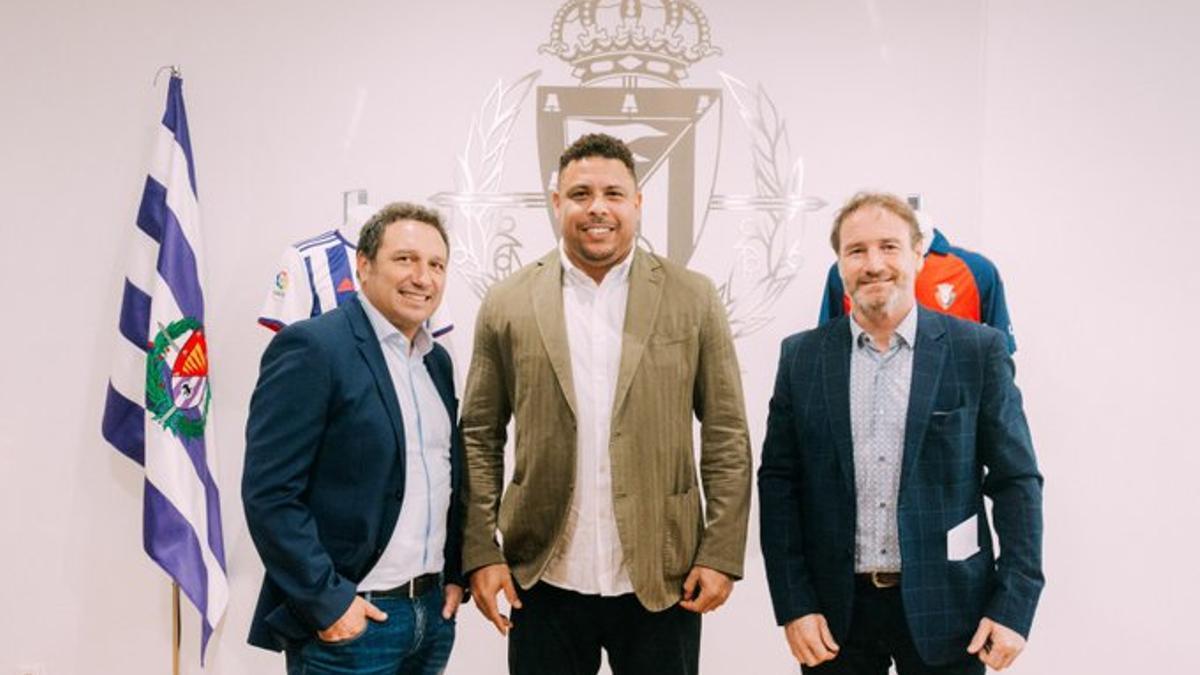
x: 597, y: 145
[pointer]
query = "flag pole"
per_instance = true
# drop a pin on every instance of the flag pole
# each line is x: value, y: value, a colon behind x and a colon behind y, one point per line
x: 175, y: 631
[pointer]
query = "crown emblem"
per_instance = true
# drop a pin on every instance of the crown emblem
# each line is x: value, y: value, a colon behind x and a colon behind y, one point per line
x: 604, y: 39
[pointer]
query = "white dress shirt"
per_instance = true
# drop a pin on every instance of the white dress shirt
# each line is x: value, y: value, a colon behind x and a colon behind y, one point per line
x: 418, y: 542
x: 588, y: 558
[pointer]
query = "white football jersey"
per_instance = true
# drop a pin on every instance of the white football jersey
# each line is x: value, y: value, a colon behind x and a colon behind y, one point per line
x: 317, y: 274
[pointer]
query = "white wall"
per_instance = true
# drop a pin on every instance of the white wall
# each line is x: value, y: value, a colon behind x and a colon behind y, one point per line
x: 1090, y: 161
x: 1055, y: 136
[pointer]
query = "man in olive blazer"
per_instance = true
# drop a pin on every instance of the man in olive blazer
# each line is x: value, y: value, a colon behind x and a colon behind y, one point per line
x: 676, y: 360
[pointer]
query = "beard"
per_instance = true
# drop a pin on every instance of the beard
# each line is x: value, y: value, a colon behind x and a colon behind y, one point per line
x: 876, y: 303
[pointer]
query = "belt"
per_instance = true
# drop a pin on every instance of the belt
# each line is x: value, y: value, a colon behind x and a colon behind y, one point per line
x: 417, y: 587
x: 880, y: 579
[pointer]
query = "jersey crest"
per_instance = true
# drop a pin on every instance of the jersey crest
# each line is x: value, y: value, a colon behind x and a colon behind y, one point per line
x: 945, y: 295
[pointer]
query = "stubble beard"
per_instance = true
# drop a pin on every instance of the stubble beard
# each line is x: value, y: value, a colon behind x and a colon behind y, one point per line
x: 879, y: 307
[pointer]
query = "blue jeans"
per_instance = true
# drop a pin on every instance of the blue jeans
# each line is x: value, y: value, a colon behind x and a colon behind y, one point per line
x: 415, y: 640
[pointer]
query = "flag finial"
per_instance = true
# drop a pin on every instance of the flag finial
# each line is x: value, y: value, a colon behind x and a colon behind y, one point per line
x: 175, y: 72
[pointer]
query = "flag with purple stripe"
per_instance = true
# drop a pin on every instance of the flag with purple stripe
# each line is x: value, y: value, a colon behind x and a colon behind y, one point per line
x: 157, y: 406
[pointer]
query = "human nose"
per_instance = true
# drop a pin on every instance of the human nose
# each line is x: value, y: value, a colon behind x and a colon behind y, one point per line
x: 874, y: 259
x: 421, y: 274
x: 598, y: 206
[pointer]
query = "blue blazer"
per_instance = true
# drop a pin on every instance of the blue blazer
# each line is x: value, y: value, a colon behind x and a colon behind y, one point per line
x: 965, y: 437
x: 324, y: 475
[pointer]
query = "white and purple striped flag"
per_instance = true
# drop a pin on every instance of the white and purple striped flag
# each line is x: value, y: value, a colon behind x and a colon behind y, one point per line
x: 158, y: 395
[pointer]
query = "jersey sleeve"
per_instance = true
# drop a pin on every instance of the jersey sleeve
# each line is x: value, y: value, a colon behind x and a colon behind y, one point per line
x: 993, y: 306
x: 995, y: 310
x: 833, y: 300
x: 290, y: 297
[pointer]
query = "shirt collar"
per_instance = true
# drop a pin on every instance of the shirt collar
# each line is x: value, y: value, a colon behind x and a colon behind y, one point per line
x: 384, y: 330
x: 906, y: 331
x: 573, y: 275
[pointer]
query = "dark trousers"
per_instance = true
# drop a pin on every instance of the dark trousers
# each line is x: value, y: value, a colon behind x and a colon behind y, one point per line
x: 562, y: 632
x: 878, y: 635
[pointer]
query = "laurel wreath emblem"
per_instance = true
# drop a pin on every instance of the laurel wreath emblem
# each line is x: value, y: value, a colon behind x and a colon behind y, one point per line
x: 768, y: 251
x: 486, y: 247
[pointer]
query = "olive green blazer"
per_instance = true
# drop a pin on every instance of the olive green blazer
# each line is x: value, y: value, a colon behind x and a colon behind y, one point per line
x: 677, y: 360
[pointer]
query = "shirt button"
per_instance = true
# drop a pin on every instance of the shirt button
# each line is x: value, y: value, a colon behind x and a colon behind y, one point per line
x: 883, y: 551
x: 882, y: 458
x: 883, y: 505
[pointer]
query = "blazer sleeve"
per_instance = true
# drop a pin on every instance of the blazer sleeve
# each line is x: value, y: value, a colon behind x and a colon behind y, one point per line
x: 780, y: 503
x: 1015, y: 487
x: 725, y: 470
x: 283, y: 436
x: 486, y: 411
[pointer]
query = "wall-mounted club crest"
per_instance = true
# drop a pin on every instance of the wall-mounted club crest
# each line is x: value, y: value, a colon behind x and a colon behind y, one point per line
x: 630, y: 58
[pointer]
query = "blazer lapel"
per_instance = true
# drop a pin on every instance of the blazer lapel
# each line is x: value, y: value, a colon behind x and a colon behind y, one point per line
x: 546, y: 298
x: 442, y: 380
x: 836, y: 361
x: 645, y: 292
x: 928, y: 358
x: 368, y: 347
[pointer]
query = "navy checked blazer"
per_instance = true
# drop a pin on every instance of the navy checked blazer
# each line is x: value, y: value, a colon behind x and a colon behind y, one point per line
x: 965, y: 437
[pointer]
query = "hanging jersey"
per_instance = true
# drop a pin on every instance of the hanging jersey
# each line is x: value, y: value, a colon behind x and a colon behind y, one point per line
x: 953, y: 281
x: 316, y: 275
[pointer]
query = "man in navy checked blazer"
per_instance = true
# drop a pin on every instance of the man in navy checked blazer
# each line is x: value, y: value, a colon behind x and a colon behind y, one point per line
x: 886, y: 430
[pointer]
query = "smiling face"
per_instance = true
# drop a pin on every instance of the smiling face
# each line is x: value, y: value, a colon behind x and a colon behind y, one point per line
x: 599, y: 210
x: 406, y: 278
x: 878, y: 261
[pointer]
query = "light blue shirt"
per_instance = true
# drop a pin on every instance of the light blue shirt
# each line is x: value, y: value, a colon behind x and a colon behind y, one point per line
x: 879, y: 386
x: 418, y: 542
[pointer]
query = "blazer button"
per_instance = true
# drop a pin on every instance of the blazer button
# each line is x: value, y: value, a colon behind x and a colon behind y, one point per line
x: 399, y: 495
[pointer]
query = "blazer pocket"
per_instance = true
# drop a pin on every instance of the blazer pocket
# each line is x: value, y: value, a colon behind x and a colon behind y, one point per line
x: 681, y: 532
x: 946, y: 414
x: 948, y: 420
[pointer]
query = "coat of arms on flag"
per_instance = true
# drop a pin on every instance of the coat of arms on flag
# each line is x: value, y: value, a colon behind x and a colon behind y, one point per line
x: 157, y: 407
x: 177, y: 378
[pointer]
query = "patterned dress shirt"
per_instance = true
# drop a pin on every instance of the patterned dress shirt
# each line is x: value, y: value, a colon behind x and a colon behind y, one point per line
x: 879, y: 387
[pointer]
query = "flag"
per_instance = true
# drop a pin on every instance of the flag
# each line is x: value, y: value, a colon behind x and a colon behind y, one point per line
x: 157, y: 404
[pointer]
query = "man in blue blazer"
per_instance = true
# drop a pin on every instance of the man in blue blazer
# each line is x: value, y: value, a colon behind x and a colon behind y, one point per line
x: 352, y: 463
x: 886, y: 430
